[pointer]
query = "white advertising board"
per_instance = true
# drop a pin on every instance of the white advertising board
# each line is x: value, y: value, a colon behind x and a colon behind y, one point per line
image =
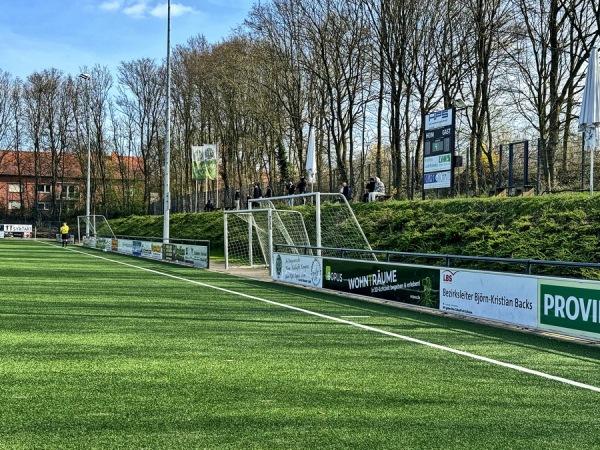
x: 193, y: 254
x: 437, y: 163
x: 197, y: 255
x: 298, y: 269
x: 436, y: 180
x: 438, y: 119
x: 505, y: 298
x: 125, y: 246
x: 18, y: 228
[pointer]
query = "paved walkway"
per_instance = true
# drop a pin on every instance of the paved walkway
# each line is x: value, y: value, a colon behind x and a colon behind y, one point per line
x: 254, y: 273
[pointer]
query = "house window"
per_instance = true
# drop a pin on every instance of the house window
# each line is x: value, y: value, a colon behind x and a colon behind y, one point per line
x: 14, y: 187
x: 69, y: 192
x: 44, y: 206
x: 44, y: 188
x: 14, y: 204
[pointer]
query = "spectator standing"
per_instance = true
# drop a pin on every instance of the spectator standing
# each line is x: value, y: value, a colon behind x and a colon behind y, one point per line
x: 301, y: 186
x: 291, y: 190
x: 345, y: 190
x: 236, y: 199
x: 257, y: 190
x: 371, y: 190
x: 269, y: 192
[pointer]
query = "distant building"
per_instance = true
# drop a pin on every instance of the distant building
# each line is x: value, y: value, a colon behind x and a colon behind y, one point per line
x: 45, y: 184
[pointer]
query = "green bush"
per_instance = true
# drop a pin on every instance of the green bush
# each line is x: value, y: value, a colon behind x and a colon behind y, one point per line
x: 562, y: 227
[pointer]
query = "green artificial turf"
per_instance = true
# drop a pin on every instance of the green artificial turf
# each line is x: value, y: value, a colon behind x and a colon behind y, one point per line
x: 97, y: 353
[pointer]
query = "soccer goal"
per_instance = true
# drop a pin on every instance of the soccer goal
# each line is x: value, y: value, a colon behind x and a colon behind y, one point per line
x: 315, y: 223
x: 96, y: 226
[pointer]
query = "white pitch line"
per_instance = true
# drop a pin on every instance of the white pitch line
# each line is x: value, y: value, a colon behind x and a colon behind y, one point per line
x: 367, y: 327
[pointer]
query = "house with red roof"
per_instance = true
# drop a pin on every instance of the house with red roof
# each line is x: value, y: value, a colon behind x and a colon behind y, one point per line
x: 46, y: 184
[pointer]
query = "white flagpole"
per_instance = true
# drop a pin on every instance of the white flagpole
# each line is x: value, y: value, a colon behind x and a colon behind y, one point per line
x: 591, y: 168
x: 217, y: 173
x: 311, y: 163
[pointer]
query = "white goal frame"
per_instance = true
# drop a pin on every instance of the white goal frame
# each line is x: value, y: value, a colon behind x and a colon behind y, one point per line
x: 267, y: 206
x: 95, y: 225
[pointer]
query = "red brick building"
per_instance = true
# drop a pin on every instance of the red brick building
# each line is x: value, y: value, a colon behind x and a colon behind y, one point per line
x: 52, y: 185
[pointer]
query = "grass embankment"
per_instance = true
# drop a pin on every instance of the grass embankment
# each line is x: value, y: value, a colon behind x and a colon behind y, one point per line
x: 554, y: 227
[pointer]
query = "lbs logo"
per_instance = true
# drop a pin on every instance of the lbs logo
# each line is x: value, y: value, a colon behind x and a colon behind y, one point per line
x: 447, y: 276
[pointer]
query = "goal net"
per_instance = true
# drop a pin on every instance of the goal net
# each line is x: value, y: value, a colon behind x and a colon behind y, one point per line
x: 316, y: 223
x: 96, y: 226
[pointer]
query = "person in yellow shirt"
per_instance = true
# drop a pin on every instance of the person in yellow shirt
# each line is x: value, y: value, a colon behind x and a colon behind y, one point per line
x: 64, y: 231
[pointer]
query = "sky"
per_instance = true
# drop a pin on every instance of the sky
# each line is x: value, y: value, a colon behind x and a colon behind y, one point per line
x: 75, y: 35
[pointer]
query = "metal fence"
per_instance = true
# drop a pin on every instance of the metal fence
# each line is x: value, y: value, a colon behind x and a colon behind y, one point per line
x: 516, y: 168
x: 579, y: 270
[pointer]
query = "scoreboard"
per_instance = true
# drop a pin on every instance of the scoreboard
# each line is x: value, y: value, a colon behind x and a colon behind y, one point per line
x: 438, y: 150
x: 438, y: 141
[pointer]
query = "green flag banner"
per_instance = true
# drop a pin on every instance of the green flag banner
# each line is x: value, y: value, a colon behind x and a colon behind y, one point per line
x: 204, y: 162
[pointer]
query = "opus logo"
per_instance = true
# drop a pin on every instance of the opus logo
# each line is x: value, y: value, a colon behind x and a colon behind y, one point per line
x: 333, y: 276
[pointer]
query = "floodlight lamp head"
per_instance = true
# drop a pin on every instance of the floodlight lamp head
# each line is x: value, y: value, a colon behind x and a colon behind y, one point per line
x: 459, y: 103
x: 85, y: 76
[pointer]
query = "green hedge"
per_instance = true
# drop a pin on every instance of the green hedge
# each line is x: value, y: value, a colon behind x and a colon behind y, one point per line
x: 554, y: 227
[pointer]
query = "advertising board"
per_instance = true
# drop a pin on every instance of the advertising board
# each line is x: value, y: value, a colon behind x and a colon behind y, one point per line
x: 196, y: 255
x: 298, y: 269
x: 439, y: 119
x: 570, y: 307
x: 414, y: 285
x: 502, y: 297
x: 437, y: 180
x: 16, y: 230
x: 438, y: 163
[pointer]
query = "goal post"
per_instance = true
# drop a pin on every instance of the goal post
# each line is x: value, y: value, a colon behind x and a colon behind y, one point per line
x: 311, y: 223
x: 94, y: 225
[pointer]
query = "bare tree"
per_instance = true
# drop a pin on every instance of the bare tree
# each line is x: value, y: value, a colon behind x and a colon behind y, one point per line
x: 337, y: 42
x: 42, y: 92
x: 279, y: 26
x: 6, y: 90
x: 98, y: 98
x: 554, y: 46
x: 141, y: 96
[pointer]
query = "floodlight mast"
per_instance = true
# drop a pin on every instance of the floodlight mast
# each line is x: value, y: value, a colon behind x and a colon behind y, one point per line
x: 86, y: 77
x: 167, y: 171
